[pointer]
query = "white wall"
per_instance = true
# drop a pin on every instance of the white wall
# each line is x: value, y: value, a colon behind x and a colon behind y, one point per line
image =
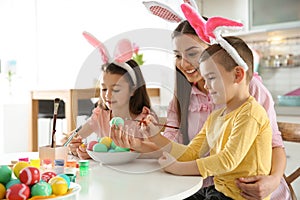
x: 45, y: 38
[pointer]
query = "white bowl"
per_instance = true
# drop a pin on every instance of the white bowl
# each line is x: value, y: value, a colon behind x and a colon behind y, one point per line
x: 113, y: 157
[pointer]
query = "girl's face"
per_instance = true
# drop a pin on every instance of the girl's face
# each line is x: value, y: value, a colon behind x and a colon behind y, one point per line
x: 218, y: 81
x: 115, y: 91
x: 187, y: 50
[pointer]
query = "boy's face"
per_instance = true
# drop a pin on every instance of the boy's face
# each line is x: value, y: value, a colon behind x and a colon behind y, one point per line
x: 115, y: 91
x: 218, y: 81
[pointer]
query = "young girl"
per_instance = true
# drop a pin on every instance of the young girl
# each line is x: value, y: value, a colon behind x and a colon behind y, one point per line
x: 122, y: 93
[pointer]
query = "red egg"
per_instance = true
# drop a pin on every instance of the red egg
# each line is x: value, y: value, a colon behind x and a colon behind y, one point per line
x: 46, y: 176
x: 91, y: 144
x: 18, y: 192
x: 30, y: 175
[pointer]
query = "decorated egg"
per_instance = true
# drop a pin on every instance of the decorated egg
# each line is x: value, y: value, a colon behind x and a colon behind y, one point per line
x: 100, y: 147
x: 59, y: 185
x: 5, y: 174
x: 116, y: 121
x: 18, y: 192
x: 121, y: 149
x: 12, y: 182
x: 30, y: 175
x: 2, y: 191
x: 67, y: 178
x: 106, y: 141
x: 46, y: 176
x: 19, y: 166
x: 91, y: 144
x: 41, y: 189
x: 113, y: 145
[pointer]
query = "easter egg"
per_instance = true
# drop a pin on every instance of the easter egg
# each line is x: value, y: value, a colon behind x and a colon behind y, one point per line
x: 121, y: 149
x: 113, y: 145
x: 106, y: 141
x: 67, y: 178
x: 18, y: 192
x: 19, y: 166
x: 116, y: 121
x: 2, y: 191
x: 30, y: 175
x: 12, y: 182
x: 41, y: 189
x: 91, y: 144
x: 46, y: 176
x: 59, y: 185
x: 5, y: 174
x: 100, y: 148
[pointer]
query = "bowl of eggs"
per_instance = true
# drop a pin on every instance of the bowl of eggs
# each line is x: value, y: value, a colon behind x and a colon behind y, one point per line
x: 106, y: 152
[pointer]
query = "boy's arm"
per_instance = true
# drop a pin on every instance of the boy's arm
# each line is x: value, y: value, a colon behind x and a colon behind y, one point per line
x: 242, y: 137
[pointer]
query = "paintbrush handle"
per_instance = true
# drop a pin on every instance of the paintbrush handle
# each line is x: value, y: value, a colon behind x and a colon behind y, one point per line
x: 72, y: 136
x: 165, y: 125
x: 156, y: 124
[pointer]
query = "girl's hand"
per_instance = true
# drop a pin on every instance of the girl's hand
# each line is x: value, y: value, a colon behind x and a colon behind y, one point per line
x: 81, y: 152
x: 257, y: 187
x: 74, y: 145
x: 169, y: 163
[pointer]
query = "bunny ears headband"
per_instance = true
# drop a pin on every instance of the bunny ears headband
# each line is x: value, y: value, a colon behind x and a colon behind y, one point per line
x: 123, y: 53
x: 209, y: 31
x: 165, y: 12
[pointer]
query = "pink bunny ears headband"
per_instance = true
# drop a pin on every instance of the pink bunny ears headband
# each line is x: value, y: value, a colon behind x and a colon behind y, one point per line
x: 210, y: 31
x: 123, y: 53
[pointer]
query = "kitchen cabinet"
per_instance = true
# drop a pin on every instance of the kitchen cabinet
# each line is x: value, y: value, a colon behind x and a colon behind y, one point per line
x: 256, y: 15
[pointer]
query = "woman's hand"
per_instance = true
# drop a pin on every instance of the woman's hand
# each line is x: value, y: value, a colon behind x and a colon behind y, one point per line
x: 257, y: 187
x: 168, y: 163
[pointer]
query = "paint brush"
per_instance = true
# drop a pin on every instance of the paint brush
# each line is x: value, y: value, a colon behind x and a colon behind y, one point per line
x: 56, y: 105
x: 72, y: 136
x: 156, y: 124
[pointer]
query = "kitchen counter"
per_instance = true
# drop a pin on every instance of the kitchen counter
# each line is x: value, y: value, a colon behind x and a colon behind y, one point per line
x: 288, y: 110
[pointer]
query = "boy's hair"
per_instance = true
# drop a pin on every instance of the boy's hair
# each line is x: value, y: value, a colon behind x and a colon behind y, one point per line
x: 224, y: 59
x: 140, y: 97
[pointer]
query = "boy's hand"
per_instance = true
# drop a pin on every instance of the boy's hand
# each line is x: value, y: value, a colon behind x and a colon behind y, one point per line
x: 168, y: 163
x: 147, y: 127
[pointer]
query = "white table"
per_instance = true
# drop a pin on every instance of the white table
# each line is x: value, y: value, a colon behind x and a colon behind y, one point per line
x: 141, y: 179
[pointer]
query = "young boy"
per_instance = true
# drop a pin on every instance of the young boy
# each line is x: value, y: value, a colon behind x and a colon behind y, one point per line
x: 238, y: 135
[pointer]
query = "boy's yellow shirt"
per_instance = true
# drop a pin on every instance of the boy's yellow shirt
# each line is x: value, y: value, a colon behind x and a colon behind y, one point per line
x: 240, y: 143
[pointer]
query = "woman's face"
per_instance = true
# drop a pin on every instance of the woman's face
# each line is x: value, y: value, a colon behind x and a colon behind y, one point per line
x: 115, y: 91
x: 187, y: 50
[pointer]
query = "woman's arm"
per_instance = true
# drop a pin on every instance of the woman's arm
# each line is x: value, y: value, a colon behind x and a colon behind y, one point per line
x: 259, y: 187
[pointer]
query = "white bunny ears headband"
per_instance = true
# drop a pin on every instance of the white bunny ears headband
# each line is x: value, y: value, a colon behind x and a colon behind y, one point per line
x: 209, y: 31
x: 123, y: 53
x: 165, y: 12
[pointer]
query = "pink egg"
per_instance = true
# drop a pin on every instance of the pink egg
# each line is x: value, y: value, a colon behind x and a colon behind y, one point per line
x: 46, y: 176
x: 91, y: 144
x: 18, y: 192
x: 30, y: 175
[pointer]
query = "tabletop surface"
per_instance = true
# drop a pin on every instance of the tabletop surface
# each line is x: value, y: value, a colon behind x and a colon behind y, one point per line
x: 140, y: 179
